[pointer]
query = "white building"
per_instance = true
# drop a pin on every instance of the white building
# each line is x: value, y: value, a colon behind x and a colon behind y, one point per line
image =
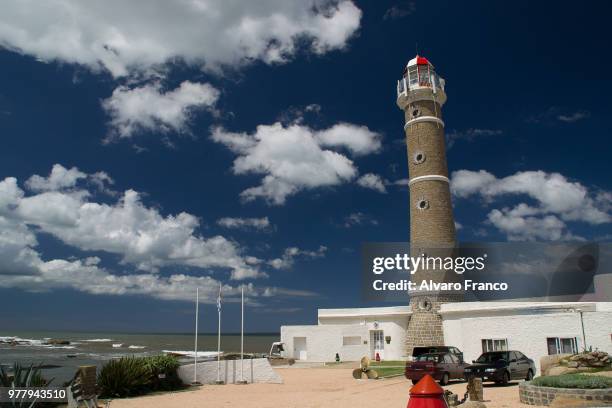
x: 535, y: 328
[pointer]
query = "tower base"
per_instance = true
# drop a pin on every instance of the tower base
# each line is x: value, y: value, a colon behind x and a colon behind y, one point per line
x: 425, y: 325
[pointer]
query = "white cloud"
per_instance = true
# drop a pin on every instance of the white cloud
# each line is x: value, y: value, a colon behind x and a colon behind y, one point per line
x: 400, y: 10
x: 290, y: 254
x: 60, y: 178
x: 557, y: 114
x: 245, y: 223
x: 141, y: 235
x: 557, y: 199
x: 373, y: 182
x: 124, y: 37
x: 292, y: 158
x: 149, y: 108
x: 359, y: 140
x: 469, y: 135
x: 358, y: 218
x: 573, y: 117
x: 519, y: 226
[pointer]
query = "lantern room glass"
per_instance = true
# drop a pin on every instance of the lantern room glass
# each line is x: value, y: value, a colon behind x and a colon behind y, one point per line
x: 417, y: 76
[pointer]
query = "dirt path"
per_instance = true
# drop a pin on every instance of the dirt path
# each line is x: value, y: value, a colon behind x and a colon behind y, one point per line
x: 310, y: 388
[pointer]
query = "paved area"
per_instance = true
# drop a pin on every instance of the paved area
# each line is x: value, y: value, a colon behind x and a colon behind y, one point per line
x: 311, y: 388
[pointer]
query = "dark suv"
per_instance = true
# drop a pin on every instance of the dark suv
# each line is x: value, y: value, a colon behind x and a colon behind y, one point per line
x: 501, y: 367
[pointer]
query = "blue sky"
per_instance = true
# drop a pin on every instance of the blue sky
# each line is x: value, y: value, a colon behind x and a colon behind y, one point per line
x: 198, y: 143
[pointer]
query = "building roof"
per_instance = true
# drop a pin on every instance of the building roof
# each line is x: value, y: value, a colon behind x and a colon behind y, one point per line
x: 366, y: 312
x: 418, y: 60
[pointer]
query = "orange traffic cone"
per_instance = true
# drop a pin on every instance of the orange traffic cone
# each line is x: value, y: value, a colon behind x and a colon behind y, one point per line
x: 427, y: 394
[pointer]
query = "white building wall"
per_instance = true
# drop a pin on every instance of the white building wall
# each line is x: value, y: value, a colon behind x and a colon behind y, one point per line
x: 323, y: 342
x: 525, y: 329
x: 326, y: 339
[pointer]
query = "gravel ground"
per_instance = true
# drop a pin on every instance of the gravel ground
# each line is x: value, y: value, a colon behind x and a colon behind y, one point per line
x: 312, y: 388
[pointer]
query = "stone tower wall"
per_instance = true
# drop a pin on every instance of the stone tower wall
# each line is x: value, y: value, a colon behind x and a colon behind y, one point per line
x: 431, y: 218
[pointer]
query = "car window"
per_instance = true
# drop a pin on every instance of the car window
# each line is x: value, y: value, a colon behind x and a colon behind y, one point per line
x: 519, y: 355
x: 447, y: 358
x: 492, y: 357
x: 513, y: 356
x: 454, y: 358
x: 427, y: 357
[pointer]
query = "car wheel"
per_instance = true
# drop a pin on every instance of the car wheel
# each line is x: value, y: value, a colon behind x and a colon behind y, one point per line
x: 444, y: 379
x: 529, y: 376
x: 506, y: 378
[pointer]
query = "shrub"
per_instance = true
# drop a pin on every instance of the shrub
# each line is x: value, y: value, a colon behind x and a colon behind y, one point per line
x: 23, y: 378
x: 130, y: 376
x: 124, y: 377
x: 164, y: 374
x: 580, y: 381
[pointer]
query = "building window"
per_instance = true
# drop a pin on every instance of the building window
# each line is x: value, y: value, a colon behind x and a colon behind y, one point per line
x: 422, y: 204
x: 561, y: 345
x: 494, y: 345
x: 419, y: 157
x: 351, y: 341
x: 412, y: 73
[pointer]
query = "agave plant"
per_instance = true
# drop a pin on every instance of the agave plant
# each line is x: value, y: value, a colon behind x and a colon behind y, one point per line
x: 124, y: 377
x: 22, y: 378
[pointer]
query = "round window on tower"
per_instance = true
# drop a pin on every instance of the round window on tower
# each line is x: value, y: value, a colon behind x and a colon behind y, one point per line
x: 418, y: 157
x: 422, y: 204
x: 424, y: 305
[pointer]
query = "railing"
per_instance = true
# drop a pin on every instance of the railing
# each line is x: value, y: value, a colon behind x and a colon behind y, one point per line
x: 403, y: 85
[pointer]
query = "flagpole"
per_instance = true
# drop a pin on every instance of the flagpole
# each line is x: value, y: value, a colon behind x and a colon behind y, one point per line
x: 195, y: 365
x: 219, y: 338
x: 242, y: 338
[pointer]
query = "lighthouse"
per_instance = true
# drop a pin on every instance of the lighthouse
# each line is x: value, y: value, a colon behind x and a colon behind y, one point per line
x: 421, y: 95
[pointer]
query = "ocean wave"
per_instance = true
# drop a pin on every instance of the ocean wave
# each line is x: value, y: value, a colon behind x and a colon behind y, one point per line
x: 18, y: 341
x: 98, y: 340
x: 49, y: 346
x: 117, y: 345
x: 185, y: 353
x: 136, y: 347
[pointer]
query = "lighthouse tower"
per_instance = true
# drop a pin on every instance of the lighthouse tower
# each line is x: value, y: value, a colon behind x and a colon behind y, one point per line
x: 421, y: 95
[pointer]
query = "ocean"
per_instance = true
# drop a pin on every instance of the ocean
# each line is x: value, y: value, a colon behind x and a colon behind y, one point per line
x: 97, y: 348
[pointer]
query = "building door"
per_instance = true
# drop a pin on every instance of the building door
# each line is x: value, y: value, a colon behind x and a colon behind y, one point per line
x: 299, y: 348
x: 377, y: 343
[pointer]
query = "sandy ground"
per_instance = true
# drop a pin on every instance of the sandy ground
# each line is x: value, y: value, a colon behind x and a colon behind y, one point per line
x: 310, y: 388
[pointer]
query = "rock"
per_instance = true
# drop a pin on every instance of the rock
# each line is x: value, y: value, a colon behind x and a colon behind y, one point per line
x: 575, y: 357
x: 57, y: 342
x: 561, y: 370
x: 569, y: 402
x: 554, y: 360
x: 572, y: 364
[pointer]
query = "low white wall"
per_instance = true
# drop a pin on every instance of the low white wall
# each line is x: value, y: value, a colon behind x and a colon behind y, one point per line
x: 257, y: 370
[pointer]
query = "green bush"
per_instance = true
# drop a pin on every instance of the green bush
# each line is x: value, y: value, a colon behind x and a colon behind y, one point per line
x: 22, y: 378
x: 124, y: 377
x: 164, y: 374
x: 130, y: 376
x: 580, y: 381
